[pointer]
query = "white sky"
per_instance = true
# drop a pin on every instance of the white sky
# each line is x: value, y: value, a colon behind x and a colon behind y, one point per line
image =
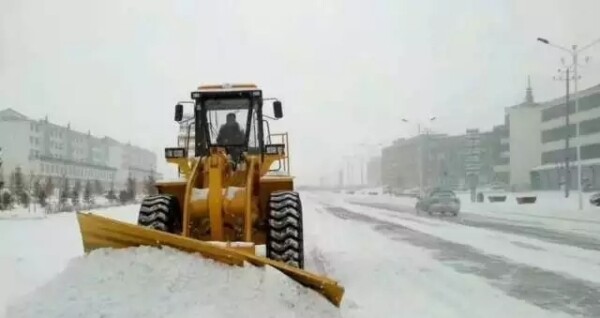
x: 345, y: 70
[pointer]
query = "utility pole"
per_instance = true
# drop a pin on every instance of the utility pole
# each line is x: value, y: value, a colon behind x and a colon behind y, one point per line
x: 574, y: 51
x: 420, y: 168
x: 567, y: 79
x: 567, y: 136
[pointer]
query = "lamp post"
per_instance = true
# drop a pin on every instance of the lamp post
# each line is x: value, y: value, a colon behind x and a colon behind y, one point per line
x: 574, y: 51
x: 566, y: 78
x: 420, y: 151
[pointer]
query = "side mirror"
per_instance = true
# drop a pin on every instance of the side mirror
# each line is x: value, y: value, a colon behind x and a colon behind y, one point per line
x: 178, y: 112
x: 277, y: 110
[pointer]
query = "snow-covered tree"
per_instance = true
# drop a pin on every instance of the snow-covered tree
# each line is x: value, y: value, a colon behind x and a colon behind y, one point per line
x: 39, y: 192
x: 111, y: 196
x: 7, y: 200
x: 49, y: 187
x: 75, y: 192
x: 18, y: 186
x: 98, y: 189
x: 87, y: 193
x: 64, y: 192
x: 131, y: 188
x: 149, y: 185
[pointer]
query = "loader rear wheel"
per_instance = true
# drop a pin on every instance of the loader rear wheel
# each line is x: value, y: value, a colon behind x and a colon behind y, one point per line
x: 161, y: 212
x: 285, y: 241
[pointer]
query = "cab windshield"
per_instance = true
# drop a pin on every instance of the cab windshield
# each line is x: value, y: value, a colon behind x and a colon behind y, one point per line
x: 228, y: 122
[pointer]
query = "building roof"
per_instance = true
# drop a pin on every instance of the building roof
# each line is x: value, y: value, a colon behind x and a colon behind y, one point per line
x: 528, y: 101
x: 583, y: 93
x: 10, y: 114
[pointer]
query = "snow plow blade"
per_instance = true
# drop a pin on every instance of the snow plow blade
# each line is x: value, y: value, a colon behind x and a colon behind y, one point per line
x: 101, y: 232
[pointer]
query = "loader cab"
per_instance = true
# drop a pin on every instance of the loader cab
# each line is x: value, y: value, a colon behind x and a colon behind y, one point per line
x: 230, y: 117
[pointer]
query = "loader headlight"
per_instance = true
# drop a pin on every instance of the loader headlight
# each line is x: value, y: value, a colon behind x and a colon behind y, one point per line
x: 175, y: 153
x: 275, y: 149
x: 195, y: 95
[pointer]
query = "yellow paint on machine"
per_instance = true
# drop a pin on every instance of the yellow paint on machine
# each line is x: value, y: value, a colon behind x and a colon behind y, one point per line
x: 101, y: 232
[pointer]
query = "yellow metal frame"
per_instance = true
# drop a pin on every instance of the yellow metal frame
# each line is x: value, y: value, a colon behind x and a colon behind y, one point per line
x: 286, y: 156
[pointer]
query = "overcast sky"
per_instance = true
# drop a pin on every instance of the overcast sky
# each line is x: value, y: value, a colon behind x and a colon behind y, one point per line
x: 346, y: 71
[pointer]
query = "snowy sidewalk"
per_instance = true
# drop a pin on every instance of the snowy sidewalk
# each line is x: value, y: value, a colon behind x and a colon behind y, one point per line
x: 551, y: 211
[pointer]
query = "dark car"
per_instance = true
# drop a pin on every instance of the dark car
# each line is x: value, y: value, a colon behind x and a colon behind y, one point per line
x: 439, y: 201
x: 595, y: 199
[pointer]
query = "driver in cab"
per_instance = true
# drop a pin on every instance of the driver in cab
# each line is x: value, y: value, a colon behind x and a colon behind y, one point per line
x: 230, y: 133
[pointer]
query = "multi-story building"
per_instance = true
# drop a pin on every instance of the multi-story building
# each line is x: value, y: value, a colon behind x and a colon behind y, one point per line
x: 443, y: 160
x: 399, y: 164
x: 583, y: 129
x: 47, y: 150
x: 374, y: 171
x: 523, y: 122
x: 533, y: 142
x: 501, y: 166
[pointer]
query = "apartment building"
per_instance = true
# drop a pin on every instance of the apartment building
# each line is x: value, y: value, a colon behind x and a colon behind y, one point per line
x: 374, y: 171
x: 48, y: 150
x: 524, y: 140
x: 445, y: 160
x: 502, y: 161
x: 583, y: 130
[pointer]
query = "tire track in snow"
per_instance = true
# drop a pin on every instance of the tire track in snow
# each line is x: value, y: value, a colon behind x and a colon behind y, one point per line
x: 543, y: 288
x: 543, y: 234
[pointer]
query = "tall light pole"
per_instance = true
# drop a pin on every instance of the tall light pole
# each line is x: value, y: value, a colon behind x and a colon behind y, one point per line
x: 574, y: 51
x: 566, y: 78
x: 420, y: 151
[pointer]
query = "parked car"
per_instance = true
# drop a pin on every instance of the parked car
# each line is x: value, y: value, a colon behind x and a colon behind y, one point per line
x: 595, y: 199
x: 439, y: 201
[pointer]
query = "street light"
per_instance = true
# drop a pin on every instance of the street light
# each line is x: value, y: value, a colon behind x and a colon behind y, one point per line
x: 574, y: 52
x: 420, y: 160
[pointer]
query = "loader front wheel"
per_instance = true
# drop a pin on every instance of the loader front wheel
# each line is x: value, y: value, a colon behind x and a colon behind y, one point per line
x: 285, y: 241
x: 161, y: 212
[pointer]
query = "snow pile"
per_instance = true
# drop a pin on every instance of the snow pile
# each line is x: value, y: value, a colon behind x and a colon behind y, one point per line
x: 23, y: 213
x: 150, y: 282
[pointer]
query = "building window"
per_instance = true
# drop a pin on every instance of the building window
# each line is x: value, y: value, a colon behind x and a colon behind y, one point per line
x: 557, y: 133
x: 589, y: 102
x: 557, y: 156
x: 557, y: 111
x: 588, y: 127
x: 590, y: 151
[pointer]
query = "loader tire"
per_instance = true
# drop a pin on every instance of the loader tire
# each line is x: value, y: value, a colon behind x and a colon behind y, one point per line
x: 285, y: 240
x: 160, y: 212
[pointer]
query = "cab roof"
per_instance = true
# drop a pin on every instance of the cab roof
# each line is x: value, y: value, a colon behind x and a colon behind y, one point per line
x: 227, y: 87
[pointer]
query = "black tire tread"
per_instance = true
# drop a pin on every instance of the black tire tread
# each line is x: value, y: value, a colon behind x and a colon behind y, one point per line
x: 285, y: 241
x: 160, y: 212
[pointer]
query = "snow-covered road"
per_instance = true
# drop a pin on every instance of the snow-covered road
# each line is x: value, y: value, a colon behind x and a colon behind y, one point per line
x: 392, y: 262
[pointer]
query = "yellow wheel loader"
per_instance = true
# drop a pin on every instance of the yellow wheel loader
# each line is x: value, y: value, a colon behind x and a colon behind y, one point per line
x: 234, y: 192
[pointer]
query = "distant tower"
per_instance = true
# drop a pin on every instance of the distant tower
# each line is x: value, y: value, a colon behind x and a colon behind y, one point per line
x: 529, y: 92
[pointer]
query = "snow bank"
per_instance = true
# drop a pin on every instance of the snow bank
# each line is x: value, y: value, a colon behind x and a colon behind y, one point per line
x: 150, y: 282
x: 23, y: 213
x: 548, y: 204
x: 574, y: 261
